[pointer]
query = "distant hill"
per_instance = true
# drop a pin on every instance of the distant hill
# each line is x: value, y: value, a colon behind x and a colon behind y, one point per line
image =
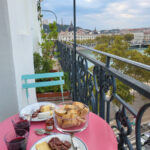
x: 60, y: 27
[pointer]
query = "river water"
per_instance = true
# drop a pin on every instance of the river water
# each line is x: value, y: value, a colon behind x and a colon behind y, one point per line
x: 90, y: 54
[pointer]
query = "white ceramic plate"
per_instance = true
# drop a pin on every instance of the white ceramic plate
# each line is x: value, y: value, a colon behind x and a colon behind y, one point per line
x: 63, y: 137
x: 33, y: 107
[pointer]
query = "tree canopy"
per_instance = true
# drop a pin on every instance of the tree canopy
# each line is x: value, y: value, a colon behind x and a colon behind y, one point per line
x: 119, y: 45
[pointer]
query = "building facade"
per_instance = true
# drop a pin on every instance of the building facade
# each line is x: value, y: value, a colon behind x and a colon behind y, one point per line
x: 81, y: 34
x: 141, y: 35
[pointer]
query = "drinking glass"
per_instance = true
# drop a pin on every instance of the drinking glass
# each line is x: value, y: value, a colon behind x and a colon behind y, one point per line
x: 20, y: 123
x: 15, y: 142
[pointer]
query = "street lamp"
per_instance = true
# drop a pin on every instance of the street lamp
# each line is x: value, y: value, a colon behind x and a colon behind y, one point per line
x: 52, y: 13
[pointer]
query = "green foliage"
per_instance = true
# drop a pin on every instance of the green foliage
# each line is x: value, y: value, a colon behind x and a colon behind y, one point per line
x: 147, y: 51
x: 48, y: 43
x: 39, y: 12
x: 44, y: 63
x: 104, y: 39
x: 37, y: 62
x: 119, y: 45
x: 124, y: 92
x: 88, y: 41
x: 128, y: 37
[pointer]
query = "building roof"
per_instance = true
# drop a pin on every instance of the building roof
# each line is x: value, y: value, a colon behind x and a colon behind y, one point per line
x: 70, y: 28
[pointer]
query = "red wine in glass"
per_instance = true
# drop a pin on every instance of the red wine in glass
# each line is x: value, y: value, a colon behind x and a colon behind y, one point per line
x: 22, y: 124
x: 18, y: 143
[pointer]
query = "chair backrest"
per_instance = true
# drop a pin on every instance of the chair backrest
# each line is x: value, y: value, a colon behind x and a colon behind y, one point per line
x: 27, y: 85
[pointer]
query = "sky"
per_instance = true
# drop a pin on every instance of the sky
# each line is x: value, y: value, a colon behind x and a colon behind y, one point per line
x: 102, y: 14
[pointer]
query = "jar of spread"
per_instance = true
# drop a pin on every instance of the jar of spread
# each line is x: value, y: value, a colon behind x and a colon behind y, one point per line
x: 49, y: 124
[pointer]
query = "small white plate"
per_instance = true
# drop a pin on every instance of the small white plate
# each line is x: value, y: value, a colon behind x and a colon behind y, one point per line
x: 33, y: 107
x: 63, y: 137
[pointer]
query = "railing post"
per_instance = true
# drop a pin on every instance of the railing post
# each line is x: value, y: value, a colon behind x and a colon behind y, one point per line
x: 74, y: 52
x: 108, y: 102
x: 102, y: 95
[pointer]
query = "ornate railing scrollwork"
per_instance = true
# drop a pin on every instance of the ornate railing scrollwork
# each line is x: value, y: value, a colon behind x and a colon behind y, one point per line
x: 138, y: 126
x: 92, y: 88
x: 122, y: 123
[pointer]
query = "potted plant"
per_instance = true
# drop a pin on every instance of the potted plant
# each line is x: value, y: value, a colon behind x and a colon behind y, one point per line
x: 44, y: 63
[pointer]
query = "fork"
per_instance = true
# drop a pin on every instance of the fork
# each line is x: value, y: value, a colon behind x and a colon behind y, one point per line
x: 73, y: 146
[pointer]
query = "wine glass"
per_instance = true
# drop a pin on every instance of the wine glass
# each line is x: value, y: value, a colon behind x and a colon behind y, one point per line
x: 71, y: 117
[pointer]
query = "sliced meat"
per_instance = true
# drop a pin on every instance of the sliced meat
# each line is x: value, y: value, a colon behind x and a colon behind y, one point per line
x: 67, y: 144
x: 56, y: 144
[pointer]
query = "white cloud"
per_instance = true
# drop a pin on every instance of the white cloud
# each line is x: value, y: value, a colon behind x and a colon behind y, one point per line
x: 128, y: 16
x: 123, y: 14
x: 105, y: 14
x: 90, y: 3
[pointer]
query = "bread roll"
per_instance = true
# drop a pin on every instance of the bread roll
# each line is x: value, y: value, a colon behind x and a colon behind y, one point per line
x: 60, y: 112
x: 84, y: 112
x: 66, y: 116
x: 81, y: 120
x: 45, y: 108
x: 69, y: 107
x: 78, y: 104
x: 67, y: 123
x: 59, y: 120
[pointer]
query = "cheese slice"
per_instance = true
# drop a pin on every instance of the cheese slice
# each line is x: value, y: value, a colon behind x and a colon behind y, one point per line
x: 42, y: 146
x: 43, y: 115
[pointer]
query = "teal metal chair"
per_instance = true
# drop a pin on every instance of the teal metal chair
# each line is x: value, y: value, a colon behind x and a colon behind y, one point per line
x: 27, y: 85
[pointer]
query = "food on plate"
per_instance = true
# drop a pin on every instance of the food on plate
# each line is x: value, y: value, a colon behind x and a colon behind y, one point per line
x: 45, y: 108
x: 56, y: 144
x: 44, y: 111
x: 45, y: 114
x: 71, y: 115
x: 42, y: 146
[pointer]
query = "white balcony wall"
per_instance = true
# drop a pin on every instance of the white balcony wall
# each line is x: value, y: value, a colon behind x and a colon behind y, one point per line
x: 36, y: 29
x: 19, y: 35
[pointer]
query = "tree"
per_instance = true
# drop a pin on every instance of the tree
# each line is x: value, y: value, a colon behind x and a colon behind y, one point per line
x: 132, y: 70
x: 128, y: 37
x: 45, y: 63
x: 124, y: 92
x: 118, y: 45
x: 147, y: 51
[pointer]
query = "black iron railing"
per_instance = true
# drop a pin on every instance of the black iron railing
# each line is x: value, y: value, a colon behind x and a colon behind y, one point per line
x: 90, y: 87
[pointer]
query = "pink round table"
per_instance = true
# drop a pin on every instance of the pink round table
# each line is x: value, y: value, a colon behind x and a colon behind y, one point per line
x: 97, y: 136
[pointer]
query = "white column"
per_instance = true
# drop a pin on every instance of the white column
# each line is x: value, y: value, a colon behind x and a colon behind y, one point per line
x: 18, y: 38
x: 8, y: 93
x: 20, y: 16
